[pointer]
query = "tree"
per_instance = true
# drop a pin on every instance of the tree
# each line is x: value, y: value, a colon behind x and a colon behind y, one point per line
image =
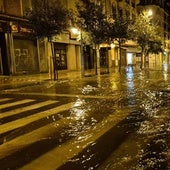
x: 144, y: 31
x: 119, y: 32
x: 155, y: 47
x: 93, y: 21
x: 48, y: 19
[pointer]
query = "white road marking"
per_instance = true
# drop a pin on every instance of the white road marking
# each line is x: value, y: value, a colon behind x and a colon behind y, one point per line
x: 27, y: 108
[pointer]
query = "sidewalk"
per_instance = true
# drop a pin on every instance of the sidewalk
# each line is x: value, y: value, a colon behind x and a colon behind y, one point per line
x: 62, y: 75
x: 32, y: 78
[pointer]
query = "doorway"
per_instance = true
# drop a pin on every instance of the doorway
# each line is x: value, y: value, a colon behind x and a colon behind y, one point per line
x: 129, y: 58
x: 3, y: 55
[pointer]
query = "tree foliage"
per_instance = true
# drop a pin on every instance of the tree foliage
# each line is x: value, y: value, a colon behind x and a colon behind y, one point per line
x: 119, y: 29
x: 155, y: 47
x: 95, y: 23
x: 93, y: 20
x: 48, y: 18
x: 147, y: 35
x: 144, y: 31
x: 119, y: 32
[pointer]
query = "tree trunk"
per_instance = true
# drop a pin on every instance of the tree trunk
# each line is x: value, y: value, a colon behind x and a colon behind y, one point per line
x: 97, y: 60
x: 120, y: 55
x: 142, y: 59
x: 55, y: 70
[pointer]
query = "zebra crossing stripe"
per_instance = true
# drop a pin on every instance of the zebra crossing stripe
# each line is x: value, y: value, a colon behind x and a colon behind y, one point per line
x: 61, y: 154
x: 5, y: 99
x: 26, y: 120
x: 3, y: 106
x: 27, y: 108
x: 9, y: 147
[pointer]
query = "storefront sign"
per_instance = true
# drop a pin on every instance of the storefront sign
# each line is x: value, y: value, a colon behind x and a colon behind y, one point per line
x: 14, y: 28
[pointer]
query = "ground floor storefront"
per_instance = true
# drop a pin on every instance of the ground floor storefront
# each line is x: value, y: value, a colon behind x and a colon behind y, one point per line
x: 22, y: 53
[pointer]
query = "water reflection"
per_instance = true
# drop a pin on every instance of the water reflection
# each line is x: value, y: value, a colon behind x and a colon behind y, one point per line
x: 129, y: 78
x: 130, y: 92
x: 165, y: 73
x: 77, y: 111
x: 88, y: 89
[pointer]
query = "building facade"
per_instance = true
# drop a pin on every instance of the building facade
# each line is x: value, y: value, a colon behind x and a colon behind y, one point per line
x: 18, y: 50
x: 22, y: 53
x: 126, y: 9
x: 160, y: 16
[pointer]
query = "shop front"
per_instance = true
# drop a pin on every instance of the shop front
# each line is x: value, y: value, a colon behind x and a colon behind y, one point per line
x: 18, y: 49
x: 25, y: 56
x: 67, y: 52
x: 24, y: 53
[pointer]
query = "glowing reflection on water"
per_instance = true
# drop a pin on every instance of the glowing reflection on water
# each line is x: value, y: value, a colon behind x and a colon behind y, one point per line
x: 165, y: 69
x: 130, y: 77
x: 77, y: 110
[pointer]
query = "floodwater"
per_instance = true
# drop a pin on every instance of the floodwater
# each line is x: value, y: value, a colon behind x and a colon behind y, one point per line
x: 119, y: 121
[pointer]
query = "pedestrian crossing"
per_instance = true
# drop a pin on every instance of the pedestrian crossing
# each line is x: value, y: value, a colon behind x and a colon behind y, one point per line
x: 27, y: 108
x: 6, y: 105
x: 52, y: 136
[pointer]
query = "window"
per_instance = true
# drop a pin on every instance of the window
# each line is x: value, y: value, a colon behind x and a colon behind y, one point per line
x: 61, y: 56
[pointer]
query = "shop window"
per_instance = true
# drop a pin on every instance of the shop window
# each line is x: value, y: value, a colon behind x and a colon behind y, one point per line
x: 61, y: 57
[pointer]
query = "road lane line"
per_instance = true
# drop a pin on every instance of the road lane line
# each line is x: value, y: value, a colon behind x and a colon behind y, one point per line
x: 27, y: 108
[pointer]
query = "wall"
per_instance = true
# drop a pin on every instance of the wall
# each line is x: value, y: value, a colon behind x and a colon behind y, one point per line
x: 13, y: 7
x: 71, y: 58
x: 43, y: 57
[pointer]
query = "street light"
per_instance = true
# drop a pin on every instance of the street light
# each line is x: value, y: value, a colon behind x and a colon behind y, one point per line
x: 150, y: 13
x: 74, y: 33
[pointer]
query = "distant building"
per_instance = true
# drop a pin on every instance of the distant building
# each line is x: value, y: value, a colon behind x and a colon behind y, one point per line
x: 160, y: 16
x: 126, y: 9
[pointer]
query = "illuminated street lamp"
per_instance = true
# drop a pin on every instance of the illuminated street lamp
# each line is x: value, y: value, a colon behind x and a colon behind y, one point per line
x: 75, y: 31
x: 150, y: 13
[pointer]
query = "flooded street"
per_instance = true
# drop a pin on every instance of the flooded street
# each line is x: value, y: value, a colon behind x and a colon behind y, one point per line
x: 116, y: 121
